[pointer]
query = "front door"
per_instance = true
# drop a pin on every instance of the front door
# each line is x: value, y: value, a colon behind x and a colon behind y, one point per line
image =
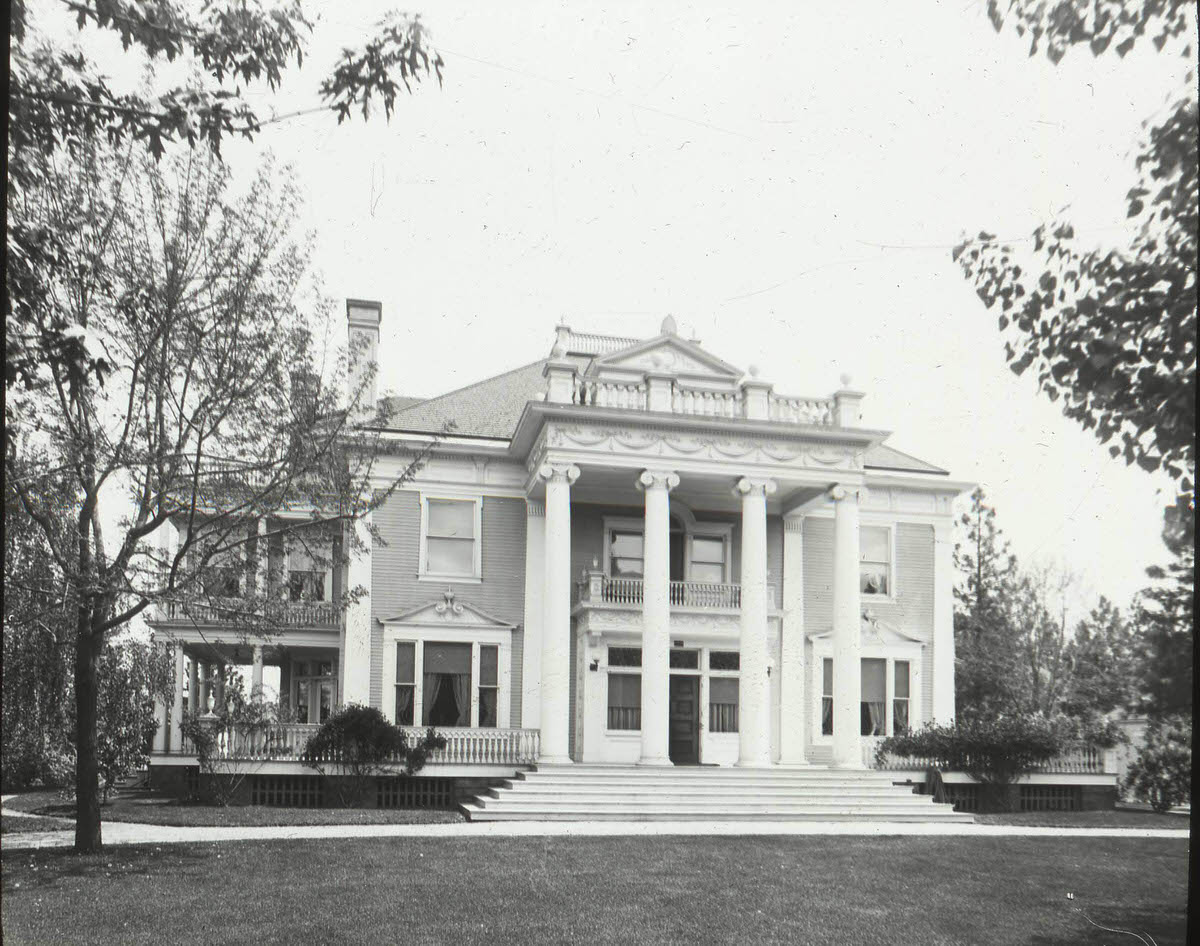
x: 684, y: 729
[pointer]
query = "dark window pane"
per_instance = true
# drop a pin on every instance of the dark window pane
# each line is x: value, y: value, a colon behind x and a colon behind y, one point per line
x: 684, y: 659
x: 624, y: 701
x: 872, y: 718
x: 624, y: 656
x: 487, y: 707
x: 873, y: 580
x: 827, y: 716
x: 827, y: 677
x: 406, y: 662
x: 724, y: 660
x: 900, y: 690
x: 489, y: 656
x: 874, y: 679
x: 899, y: 716
x: 447, y: 658
x: 404, y: 705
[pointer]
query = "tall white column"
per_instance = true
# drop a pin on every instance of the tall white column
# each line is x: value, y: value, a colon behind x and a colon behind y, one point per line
x: 754, y: 693
x: 556, y: 613
x: 943, y: 622
x: 202, y: 688
x: 535, y: 575
x: 356, y: 662
x: 847, y: 630
x: 175, y: 742
x: 791, y: 657
x: 656, y: 614
x: 256, y: 673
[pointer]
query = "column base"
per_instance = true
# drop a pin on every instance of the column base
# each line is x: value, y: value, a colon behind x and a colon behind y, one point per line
x: 794, y: 764
x: 555, y: 760
x: 848, y: 766
x: 753, y: 764
x: 661, y: 762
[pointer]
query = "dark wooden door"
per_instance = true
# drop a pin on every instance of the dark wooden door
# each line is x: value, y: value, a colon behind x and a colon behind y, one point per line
x: 684, y: 729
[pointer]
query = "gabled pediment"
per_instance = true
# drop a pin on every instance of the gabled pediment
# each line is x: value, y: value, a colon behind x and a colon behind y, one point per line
x: 448, y: 611
x: 876, y: 633
x: 670, y: 354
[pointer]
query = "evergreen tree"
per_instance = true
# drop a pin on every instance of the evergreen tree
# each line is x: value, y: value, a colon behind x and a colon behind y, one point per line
x: 1165, y: 619
x: 1102, y: 668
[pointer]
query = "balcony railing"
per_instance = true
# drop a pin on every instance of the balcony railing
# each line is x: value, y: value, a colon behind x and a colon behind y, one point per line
x: 464, y: 746
x: 1085, y: 760
x: 681, y: 594
x: 280, y: 614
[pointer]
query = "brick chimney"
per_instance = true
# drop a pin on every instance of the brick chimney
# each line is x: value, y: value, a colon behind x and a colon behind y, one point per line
x: 362, y: 325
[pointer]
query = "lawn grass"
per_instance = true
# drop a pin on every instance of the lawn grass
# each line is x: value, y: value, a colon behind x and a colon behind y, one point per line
x: 811, y: 890
x: 1111, y: 818
x: 141, y: 808
x: 10, y: 824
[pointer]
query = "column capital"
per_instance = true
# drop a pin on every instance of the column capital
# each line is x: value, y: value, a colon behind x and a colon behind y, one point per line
x: 754, y: 485
x: 657, y: 479
x: 840, y: 492
x: 559, y: 472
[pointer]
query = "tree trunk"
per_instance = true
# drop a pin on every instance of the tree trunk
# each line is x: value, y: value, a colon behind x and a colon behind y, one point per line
x: 87, y: 766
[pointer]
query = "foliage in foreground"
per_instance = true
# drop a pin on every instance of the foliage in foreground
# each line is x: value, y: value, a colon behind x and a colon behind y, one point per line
x: 1162, y: 772
x: 360, y: 742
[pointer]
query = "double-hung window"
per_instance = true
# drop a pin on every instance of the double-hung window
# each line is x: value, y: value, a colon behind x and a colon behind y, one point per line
x: 489, y: 684
x: 875, y: 561
x: 826, y: 697
x: 723, y: 690
x: 625, y: 554
x: 708, y: 559
x: 874, y: 697
x: 625, y: 688
x: 406, y: 682
x: 450, y: 538
x: 900, y: 697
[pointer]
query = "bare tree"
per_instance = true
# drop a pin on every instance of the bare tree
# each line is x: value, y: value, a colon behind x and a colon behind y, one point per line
x: 203, y: 389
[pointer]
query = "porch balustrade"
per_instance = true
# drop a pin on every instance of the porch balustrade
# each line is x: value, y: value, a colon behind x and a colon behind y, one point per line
x: 681, y: 594
x: 705, y: 403
x: 283, y: 614
x: 627, y: 396
x: 1084, y: 760
x: 801, y: 410
x: 464, y: 746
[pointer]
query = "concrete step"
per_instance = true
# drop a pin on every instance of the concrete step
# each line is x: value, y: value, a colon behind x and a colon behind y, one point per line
x: 714, y: 806
x: 719, y: 776
x: 476, y: 813
x: 696, y: 791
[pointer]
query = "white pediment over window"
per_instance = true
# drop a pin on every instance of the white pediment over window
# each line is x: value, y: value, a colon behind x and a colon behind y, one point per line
x: 670, y: 354
x: 876, y: 633
x: 450, y: 612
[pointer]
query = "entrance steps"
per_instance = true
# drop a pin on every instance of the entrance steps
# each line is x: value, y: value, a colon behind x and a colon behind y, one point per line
x: 703, y: 793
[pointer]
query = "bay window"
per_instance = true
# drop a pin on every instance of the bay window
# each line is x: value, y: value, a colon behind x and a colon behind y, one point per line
x: 886, y: 696
x: 438, y: 682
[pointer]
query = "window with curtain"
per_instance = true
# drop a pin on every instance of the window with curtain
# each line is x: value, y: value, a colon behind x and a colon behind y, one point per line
x: 625, y: 554
x: 624, y: 701
x: 314, y: 688
x: 708, y: 559
x: 723, y: 704
x: 874, y: 696
x: 489, y: 683
x: 446, y: 684
x: 450, y: 537
x: 875, y: 560
x: 900, y: 697
x: 406, y: 681
x: 826, y: 697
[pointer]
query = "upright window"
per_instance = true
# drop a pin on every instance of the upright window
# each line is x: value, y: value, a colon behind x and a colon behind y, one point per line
x: 489, y: 683
x: 314, y: 690
x: 708, y: 559
x: 900, y: 697
x: 826, y: 697
x: 306, y: 575
x: 406, y: 681
x: 875, y: 560
x: 625, y: 554
x: 451, y: 540
x: 723, y: 704
x: 446, y: 684
x: 624, y: 689
x: 874, y: 696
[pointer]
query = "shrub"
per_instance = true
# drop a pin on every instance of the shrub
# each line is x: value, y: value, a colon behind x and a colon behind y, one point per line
x: 995, y: 752
x: 359, y: 742
x: 237, y: 728
x: 1162, y: 772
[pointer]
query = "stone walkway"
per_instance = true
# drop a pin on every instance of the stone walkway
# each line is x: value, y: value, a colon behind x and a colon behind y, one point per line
x: 119, y: 833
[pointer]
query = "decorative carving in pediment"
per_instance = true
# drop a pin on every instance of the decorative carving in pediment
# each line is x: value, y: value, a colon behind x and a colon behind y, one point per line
x: 669, y: 355
x: 450, y: 611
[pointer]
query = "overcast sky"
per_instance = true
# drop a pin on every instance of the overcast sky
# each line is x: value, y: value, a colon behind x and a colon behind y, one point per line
x: 787, y: 182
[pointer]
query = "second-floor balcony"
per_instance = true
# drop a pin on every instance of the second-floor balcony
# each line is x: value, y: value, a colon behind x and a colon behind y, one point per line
x: 599, y: 589
x: 294, y: 614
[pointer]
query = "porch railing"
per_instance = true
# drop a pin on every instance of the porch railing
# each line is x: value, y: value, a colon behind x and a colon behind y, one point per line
x: 464, y: 746
x: 681, y: 594
x: 1085, y: 760
x: 284, y: 614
